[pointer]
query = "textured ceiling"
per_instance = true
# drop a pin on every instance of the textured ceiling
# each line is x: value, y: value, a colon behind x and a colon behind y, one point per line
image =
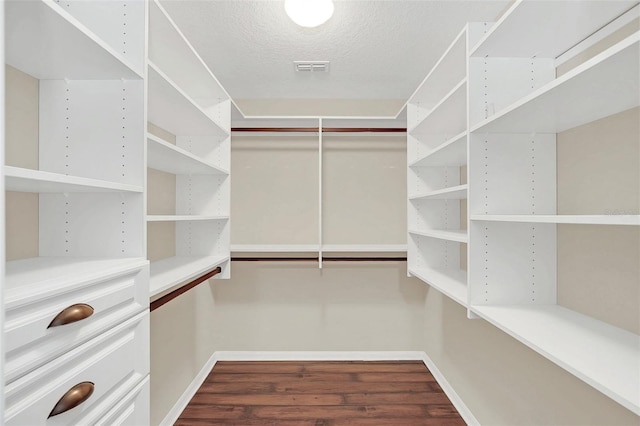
x: 378, y: 49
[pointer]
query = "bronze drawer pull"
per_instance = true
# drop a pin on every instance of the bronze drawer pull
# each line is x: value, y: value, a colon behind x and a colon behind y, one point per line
x: 74, y: 397
x: 72, y: 314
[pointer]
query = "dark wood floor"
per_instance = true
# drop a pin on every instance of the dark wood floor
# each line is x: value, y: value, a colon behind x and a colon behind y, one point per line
x: 320, y: 394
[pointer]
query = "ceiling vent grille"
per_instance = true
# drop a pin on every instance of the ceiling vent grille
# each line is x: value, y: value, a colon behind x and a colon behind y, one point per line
x: 311, y: 66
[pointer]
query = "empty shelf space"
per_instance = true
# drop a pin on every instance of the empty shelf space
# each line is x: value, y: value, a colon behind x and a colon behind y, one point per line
x: 453, y: 193
x: 448, y: 116
x: 169, y: 273
x: 28, y: 180
x: 46, y: 42
x: 451, y: 282
x: 173, y: 110
x: 453, y: 152
x: 539, y: 28
x: 40, y: 277
x: 604, y: 85
x: 184, y: 217
x: 162, y: 155
x: 565, y: 219
x: 604, y: 356
x: 457, y: 235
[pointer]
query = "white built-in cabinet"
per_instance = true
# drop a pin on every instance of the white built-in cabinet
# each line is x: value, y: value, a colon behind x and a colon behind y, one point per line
x: 187, y: 102
x: 493, y: 109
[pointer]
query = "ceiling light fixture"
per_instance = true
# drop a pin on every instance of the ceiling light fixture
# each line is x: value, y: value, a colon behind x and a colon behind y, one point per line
x: 309, y: 13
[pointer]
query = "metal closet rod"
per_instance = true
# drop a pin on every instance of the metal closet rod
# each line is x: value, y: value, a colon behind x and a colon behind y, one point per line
x: 324, y: 129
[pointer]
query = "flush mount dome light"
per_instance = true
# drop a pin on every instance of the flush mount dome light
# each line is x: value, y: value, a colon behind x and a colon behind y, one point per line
x: 309, y: 13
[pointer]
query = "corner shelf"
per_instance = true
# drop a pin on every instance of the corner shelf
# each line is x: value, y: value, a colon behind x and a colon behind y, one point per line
x: 571, y: 100
x: 604, y: 356
x: 453, y: 152
x: 633, y: 220
x: 451, y: 282
x: 448, y: 116
x: 28, y: 180
x: 458, y: 192
x: 167, y: 274
x: 457, y: 235
x: 49, y: 43
x: 166, y: 157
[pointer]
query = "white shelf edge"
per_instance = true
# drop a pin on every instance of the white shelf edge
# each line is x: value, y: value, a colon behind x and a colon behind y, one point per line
x: 585, y: 67
x: 441, y: 280
x: 187, y: 98
x: 633, y: 220
x: 178, y: 218
x: 182, y: 269
x: 505, y: 16
x: 441, y: 194
x: 460, y: 236
x: 439, y: 149
x: 364, y: 248
x: 186, y: 154
x: 536, y: 341
x: 27, y: 180
x: 444, y: 100
x: 274, y: 248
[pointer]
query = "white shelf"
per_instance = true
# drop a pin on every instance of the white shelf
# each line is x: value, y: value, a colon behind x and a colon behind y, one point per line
x: 169, y: 273
x: 274, y: 248
x: 37, y: 278
x: 539, y: 28
x: 177, y: 218
x: 173, y: 110
x: 46, y: 42
x: 448, y: 116
x: 453, y: 193
x: 604, y: 356
x: 451, y: 282
x: 365, y: 248
x: 606, y: 84
x: 457, y: 235
x: 451, y: 153
x: 569, y: 219
x: 28, y: 180
x: 162, y: 155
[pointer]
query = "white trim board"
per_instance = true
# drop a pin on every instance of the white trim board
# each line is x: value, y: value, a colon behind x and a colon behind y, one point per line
x: 173, y: 414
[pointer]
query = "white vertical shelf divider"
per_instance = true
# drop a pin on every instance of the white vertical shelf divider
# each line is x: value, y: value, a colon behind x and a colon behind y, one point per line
x: 320, y: 192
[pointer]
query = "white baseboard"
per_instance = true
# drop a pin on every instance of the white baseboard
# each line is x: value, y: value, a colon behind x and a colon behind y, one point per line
x: 182, y: 402
x: 191, y: 390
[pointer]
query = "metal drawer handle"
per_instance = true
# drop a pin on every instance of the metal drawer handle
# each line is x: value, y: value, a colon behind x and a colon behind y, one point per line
x: 74, y: 397
x: 72, y: 314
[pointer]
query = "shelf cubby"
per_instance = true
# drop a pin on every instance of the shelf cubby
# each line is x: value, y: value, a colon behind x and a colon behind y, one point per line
x: 167, y: 157
x: 456, y: 235
x: 453, y: 152
x: 450, y: 282
x: 458, y: 192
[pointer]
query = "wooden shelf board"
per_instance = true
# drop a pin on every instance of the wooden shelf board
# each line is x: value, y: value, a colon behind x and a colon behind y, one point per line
x: 604, y: 85
x: 28, y: 180
x: 177, y: 218
x: 563, y: 219
x: 173, y: 110
x: 167, y: 274
x: 604, y: 356
x: 448, y: 116
x: 457, y: 235
x: 539, y: 28
x: 453, y: 193
x: 453, y: 152
x: 37, y: 278
x: 162, y: 155
x: 46, y: 42
x: 451, y: 282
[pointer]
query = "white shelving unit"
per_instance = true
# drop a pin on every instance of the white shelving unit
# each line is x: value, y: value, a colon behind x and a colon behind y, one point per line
x: 515, y: 166
x: 87, y: 181
x: 187, y: 101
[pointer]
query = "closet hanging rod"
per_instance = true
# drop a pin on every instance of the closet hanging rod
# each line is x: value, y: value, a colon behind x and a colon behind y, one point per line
x: 183, y: 289
x: 324, y: 129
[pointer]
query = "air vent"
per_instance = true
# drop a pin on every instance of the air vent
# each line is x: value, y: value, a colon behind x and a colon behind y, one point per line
x: 311, y: 66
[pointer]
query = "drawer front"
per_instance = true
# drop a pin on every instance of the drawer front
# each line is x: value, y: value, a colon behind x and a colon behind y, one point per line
x: 31, y: 342
x: 130, y: 410
x: 110, y: 361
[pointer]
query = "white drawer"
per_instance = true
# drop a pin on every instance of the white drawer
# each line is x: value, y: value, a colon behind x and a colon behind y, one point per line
x: 130, y: 410
x: 29, y: 340
x: 113, y: 361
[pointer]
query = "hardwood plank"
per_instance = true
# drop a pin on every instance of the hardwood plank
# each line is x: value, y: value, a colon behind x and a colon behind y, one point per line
x: 261, y: 377
x: 409, y: 421
x: 268, y: 399
x: 340, y: 412
x: 442, y: 410
x: 246, y: 422
x: 213, y: 412
x: 396, y: 398
x: 229, y: 367
x: 395, y: 377
x: 351, y: 387
x: 231, y: 388
x: 365, y: 367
